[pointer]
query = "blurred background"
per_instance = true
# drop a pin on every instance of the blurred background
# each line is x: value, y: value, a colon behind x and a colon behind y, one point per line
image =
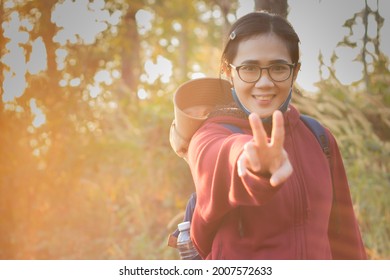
x: 86, y: 86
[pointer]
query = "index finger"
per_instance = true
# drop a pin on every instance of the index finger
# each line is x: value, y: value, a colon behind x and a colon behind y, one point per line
x: 259, y: 134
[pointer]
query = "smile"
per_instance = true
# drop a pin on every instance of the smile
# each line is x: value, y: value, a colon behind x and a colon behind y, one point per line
x: 263, y: 97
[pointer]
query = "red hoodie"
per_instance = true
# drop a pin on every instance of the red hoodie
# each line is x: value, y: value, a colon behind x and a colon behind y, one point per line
x: 247, y: 218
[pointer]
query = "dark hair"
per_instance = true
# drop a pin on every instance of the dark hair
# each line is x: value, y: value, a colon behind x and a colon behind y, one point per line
x: 258, y: 23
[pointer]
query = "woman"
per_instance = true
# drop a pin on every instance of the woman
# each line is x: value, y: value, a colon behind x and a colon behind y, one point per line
x: 266, y: 193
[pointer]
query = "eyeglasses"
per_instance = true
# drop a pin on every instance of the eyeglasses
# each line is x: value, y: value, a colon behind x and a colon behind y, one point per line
x: 278, y: 72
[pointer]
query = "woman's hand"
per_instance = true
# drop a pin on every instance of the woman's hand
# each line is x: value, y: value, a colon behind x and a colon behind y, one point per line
x: 261, y: 156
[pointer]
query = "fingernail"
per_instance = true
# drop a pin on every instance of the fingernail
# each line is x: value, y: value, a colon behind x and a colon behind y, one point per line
x: 239, y: 171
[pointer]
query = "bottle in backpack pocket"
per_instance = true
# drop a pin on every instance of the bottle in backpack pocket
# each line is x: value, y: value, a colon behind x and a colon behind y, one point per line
x: 185, y: 246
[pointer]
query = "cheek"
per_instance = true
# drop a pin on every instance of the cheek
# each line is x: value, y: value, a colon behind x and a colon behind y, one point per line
x: 243, y: 90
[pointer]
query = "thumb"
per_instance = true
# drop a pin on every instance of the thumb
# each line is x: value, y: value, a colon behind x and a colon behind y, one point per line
x: 281, y: 174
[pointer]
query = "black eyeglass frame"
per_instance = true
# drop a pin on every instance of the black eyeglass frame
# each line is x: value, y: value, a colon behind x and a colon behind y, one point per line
x: 237, y: 68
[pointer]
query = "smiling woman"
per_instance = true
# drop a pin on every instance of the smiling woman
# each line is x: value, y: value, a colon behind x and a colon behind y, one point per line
x: 254, y: 162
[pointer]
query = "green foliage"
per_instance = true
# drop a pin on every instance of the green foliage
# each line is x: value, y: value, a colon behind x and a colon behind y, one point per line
x: 360, y: 122
x: 359, y: 117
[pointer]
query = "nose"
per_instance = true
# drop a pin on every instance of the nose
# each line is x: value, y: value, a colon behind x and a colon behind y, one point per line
x: 265, y: 80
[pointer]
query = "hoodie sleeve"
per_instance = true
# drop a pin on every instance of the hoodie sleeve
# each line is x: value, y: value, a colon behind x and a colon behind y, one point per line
x: 213, y: 154
x: 344, y: 234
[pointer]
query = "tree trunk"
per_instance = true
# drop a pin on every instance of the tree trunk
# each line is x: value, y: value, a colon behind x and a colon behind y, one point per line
x: 225, y: 6
x: 2, y: 49
x: 279, y: 7
x: 131, y: 64
x: 365, y: 41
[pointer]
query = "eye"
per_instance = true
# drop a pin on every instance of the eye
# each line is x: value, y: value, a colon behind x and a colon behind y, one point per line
x: 249, y: 68
x: 279, y: 68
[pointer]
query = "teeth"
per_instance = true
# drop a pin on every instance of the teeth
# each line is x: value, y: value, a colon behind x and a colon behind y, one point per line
x: 263, y: 97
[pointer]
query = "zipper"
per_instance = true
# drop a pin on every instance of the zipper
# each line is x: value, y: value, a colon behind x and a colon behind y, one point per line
x: 301, y: 211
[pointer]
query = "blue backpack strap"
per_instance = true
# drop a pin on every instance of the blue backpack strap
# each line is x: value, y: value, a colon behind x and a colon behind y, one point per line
x: 189, y: 212
x: 319, y: 132
x: 232, y: 127
x: 190, y: 207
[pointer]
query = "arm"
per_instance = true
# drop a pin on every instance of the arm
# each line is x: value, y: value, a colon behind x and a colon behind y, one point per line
x: 240, y: 169
x: 215, y: 157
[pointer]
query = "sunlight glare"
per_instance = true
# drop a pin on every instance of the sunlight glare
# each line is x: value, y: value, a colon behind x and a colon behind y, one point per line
x: 61, y: 55
x: 115, y: 17
x: 13, y: 86
x: 144, y: 21
x: 175, y: 42
x: 63, y: 83
x: 142, y: 94
x: 91, y: 21
x: 115, y: 74
x: 38, y: 57
x: 94, y: 90
x: 177, y: 26
x: 103, y: 76
x: 39, y: 116
x: 163, y: 42
x: 245, y: 7
x: 197, y: 75
x: 9, y: 4
x: 162, y: 69
x: 75, y: 82
x: 12, y: 30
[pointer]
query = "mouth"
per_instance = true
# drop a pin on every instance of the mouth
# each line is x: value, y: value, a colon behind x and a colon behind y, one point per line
x: 267, y: 97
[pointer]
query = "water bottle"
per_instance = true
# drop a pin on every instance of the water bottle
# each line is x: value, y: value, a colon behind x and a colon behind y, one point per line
x: 185, y: 246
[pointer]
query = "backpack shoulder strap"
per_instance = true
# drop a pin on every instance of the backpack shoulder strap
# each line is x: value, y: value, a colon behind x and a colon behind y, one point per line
x: 319, y: 132
x: 187, y: 217
x: 232, y: 127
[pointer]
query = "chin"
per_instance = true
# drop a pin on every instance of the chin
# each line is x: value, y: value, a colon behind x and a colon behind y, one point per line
x: 263, y: 114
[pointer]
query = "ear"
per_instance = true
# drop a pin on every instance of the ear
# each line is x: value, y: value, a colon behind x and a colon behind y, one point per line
x: 296, y: 71
x: 226, y: 71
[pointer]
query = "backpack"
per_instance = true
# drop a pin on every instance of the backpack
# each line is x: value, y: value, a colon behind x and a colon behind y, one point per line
x: 315, y: 127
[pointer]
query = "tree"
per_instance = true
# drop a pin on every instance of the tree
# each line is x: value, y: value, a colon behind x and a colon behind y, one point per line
x: 359, y: 116
x: 279, y: 7
x: 79, y: 159
x: 366, y: 54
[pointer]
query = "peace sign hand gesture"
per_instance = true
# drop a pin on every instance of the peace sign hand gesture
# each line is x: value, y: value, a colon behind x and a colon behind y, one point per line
x: 261, y: 156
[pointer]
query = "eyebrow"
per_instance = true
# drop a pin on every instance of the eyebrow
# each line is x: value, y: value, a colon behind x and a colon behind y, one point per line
x: 256, y: 62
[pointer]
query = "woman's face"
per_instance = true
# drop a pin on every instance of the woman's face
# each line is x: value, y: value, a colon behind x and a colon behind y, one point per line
x: 264, y: 96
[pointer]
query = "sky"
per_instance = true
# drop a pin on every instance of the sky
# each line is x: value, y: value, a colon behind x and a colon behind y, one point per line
x: 318, y: 23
